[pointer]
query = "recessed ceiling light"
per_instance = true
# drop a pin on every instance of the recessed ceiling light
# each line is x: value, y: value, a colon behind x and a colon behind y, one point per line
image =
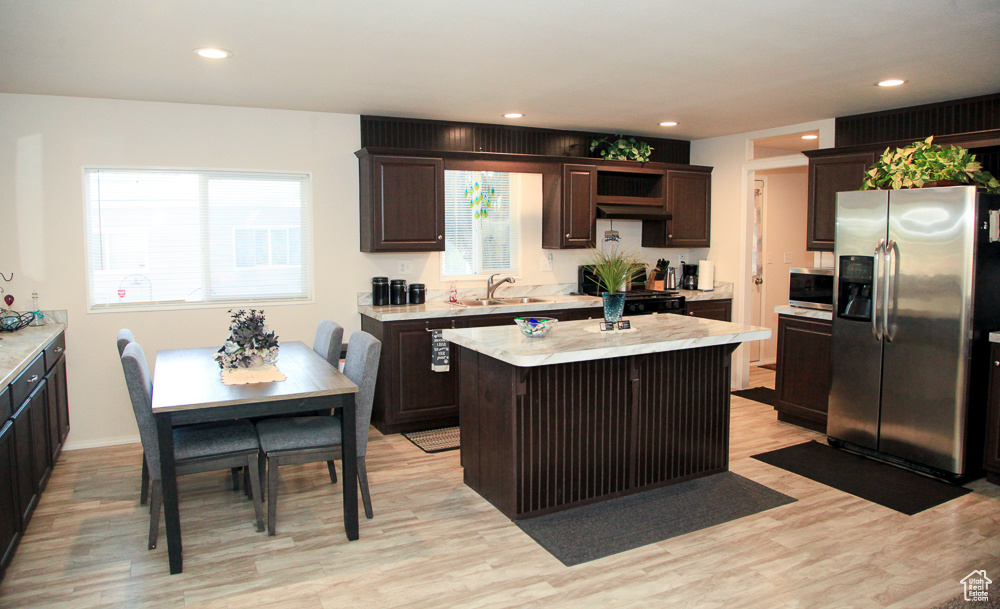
x: 209, y: 53
x: 513, y: 115
x: 810, y: 137
x: 892, y: 82
x: 668, y: 124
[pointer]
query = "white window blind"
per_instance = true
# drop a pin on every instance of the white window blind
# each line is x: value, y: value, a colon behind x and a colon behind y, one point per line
x: 491, y: 243
x: 160, y: 238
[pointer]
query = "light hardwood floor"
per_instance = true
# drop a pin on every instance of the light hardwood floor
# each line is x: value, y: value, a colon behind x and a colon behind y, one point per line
x: 435, y: 543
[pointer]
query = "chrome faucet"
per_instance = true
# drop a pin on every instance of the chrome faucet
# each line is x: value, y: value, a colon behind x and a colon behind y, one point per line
x: 492, y: 287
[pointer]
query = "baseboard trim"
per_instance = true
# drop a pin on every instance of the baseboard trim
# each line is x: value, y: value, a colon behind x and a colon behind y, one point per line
x: 101, y: 443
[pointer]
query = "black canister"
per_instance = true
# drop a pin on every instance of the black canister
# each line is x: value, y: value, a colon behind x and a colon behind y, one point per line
x: 417, y: 293
x: 397, y: 292
x: 380, y: 291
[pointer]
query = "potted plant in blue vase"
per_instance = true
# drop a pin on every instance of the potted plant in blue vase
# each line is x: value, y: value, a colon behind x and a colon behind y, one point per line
x: 613, y: 270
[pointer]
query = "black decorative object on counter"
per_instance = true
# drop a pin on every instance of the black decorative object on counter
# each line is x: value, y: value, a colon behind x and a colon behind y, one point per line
x: 11, y: 321
x: 380, y: 291
x: 418, y: 293
x: 397, y: 292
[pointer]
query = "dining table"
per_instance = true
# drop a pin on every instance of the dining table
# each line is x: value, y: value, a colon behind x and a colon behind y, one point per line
x: 188, y: 388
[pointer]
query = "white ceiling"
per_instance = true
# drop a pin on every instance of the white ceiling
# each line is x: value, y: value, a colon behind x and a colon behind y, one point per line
x: 715, y: 66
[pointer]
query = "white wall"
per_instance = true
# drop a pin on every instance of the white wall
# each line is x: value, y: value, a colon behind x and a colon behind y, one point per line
x: 732, y: 207
x: 46, y: 141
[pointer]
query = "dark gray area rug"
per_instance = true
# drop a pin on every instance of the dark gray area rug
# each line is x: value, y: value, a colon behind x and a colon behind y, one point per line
x: 764, y: 395
x: 586, y: 533
x: 959, y: 602
x: 881, y: 483
x: 436, y: 440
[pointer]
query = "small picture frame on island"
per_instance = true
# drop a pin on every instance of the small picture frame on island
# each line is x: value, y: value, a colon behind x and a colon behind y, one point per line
x: 612, y: 325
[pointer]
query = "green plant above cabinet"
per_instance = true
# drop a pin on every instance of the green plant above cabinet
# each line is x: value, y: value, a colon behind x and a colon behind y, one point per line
x: 402, y: 203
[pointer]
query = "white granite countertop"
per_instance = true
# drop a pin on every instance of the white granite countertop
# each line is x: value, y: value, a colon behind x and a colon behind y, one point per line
x: 18, y: 349
x: 558, y: 296
x: 995, y: 337
x: 800, y: 312
x: 575, y: 341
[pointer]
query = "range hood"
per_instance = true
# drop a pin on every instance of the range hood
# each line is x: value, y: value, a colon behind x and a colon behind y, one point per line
x: 617, y: 211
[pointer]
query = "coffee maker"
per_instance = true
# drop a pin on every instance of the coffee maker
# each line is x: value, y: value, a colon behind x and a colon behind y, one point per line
x: 689, y: 278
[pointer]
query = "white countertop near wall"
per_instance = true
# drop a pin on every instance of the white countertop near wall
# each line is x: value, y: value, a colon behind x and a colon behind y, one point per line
x: 800, y: 312
x: 559, y: 295
x: 18, y: 349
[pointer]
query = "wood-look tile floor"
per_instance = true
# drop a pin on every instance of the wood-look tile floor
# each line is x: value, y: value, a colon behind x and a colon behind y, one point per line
x: 435, y: 543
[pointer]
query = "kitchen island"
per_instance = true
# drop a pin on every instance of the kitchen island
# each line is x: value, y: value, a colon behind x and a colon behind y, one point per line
x: 580, y: 415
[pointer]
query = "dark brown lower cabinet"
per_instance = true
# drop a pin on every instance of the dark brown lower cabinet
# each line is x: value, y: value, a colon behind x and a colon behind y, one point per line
x: 10, y: 523
x: 992, y: 461
x: 802, y: 382
x: 410, y: 395
x: 721, y: 310
x: 30, y: 441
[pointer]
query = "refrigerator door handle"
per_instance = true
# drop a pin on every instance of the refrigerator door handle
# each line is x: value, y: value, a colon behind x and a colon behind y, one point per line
x: 878, y: 254
x: 890, y: 275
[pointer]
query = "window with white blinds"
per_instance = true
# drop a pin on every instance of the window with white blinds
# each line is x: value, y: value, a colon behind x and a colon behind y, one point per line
x: 482, y: 224
x: 163, y: 238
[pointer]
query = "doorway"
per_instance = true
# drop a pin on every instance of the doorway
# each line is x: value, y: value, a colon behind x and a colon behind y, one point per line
x: 783, y: 201
x: 757, y: 267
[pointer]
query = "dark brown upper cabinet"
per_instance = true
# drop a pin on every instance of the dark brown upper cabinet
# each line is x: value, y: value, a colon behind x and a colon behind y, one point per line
x: 831, y: 171
x: 689, y: 203
x: 402, y: 203
x: 569, y: 221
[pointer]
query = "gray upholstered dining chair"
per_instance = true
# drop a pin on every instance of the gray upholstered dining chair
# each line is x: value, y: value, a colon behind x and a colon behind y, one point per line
x: 197, y: 448
x: 329, y: 336
x: 125, y: 338
x: 297, y: 440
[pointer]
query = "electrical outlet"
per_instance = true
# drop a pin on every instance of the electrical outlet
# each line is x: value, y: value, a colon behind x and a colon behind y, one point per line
x: 546, y: 262
x: 680, y: 258
x: 788, y: 257
x: 770, y: 258
x: 405, y: 267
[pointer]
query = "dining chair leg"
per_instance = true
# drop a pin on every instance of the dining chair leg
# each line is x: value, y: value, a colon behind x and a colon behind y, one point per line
x: 246, y: 483
x: 363, y: 480
x: 235, y: 472
x: 272, y: 493
x: 254, y: 482
x: 144, y: 493
x: 262, y: 471
x: 155, y: 504
x: 333, y: 471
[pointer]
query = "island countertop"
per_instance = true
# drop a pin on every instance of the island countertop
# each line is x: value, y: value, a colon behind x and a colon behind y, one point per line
x: 576, y: 341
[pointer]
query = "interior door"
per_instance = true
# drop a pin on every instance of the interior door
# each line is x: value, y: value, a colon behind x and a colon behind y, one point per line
x: 757, y: 268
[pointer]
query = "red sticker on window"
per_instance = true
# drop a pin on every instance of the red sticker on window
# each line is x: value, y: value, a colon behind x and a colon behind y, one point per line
x: 121, y: 293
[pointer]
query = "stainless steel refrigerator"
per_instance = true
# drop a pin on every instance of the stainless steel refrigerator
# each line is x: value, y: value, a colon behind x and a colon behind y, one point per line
x: 917, y: 292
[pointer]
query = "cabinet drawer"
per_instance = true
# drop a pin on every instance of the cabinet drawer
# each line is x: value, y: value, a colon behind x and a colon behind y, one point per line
x: 54, y: 351
x: 5, y: 410
x: 26, y: 382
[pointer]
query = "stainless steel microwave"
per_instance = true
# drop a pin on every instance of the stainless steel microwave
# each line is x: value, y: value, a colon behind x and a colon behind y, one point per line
x: 810, y: 288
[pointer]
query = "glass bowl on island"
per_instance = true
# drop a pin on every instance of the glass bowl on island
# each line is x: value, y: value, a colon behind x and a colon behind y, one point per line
x: 535, y: 327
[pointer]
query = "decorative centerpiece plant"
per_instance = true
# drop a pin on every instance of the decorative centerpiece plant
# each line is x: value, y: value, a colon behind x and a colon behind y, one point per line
x: 612, y: 270
x: 621, y: 149
x: 250, y: 343
x: 924, y: 162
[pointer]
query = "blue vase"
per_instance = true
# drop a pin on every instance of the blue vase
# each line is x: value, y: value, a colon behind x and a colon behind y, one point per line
x: 613, y: 305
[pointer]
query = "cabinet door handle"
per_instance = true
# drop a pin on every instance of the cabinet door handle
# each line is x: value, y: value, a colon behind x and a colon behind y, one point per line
x: 440, y: 237
x: 670, y: 236
x: 567, y: 235
x: 996, y: 363
x: 34, y: 378
x: 58, y: 349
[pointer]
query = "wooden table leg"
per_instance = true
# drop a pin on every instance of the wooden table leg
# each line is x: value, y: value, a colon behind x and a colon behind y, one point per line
x: 168, y: 477
x: 348, y: 422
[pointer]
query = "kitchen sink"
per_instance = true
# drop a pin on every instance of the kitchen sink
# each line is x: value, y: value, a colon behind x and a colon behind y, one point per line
x: 479, y: 303
x: 522, y: 300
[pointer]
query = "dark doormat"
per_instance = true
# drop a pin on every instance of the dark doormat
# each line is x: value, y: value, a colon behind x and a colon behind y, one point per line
x: 959, y: 602
x: 881, y: 483
x: 586, y: 533
x: 764, y: 395
x: 435, y: 440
